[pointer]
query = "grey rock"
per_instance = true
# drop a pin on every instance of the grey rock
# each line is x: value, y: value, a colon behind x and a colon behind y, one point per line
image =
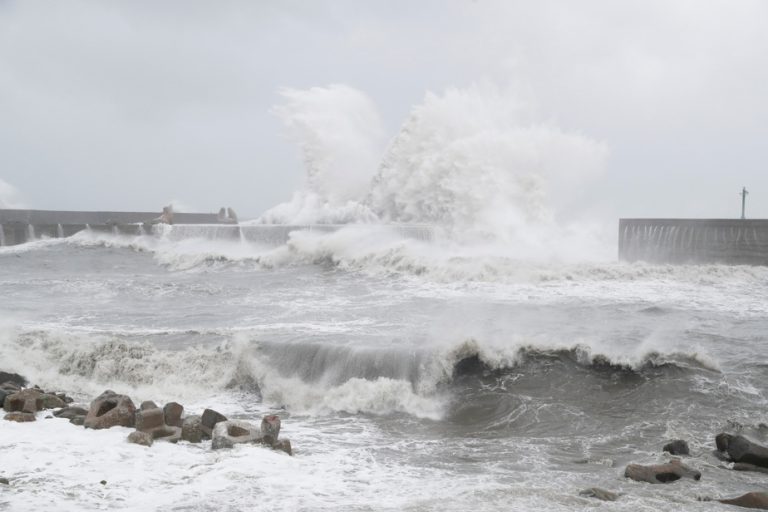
x: 149, y: 419
x: 228, y: 433
x: 600, y: 494
x: 757, y: 500
x: 167, y: 434
x: 77, y: 420
x: 70, y: 412
x: 661, y: 473
x: 741, y: 449
x: 28, y: 400
x: 744, y: 466
x: 209, y: 420
x: 52, y: 401
x: 677, y: 447
x: 142, y: 438
x: 109, y: 410
x: 13, y: 378
x: 284, y: 445
x: 173, y: 412
x: 4, y: 481
x: 270, y: 429
x: 19, y: 417
x: 190, y: 429
x: 147, y: 404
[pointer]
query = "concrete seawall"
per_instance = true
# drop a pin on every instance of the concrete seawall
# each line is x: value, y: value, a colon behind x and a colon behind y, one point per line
x: 19, y: 226
x: 729, y: 241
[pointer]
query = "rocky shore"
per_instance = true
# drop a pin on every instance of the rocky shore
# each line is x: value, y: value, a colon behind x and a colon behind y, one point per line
x: 169, y: 423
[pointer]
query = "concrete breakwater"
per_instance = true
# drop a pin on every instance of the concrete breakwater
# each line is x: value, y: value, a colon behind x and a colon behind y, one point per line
x: 19, y: 226
x: 729, y: 241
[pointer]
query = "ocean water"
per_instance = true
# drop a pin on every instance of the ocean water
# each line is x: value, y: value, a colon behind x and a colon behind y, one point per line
x: 410, y: 373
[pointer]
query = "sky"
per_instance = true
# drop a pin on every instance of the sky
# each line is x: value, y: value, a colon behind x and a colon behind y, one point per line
x: 130, y: 105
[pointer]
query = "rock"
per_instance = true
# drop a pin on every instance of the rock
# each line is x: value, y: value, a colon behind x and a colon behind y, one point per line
x: 600, y: 494
x: 64, y: 398
x: 284, y: 445
x: 167, y: 434
x: 78, y: 420
x: 209, y: 420
x: 4, y: 481
x: 749, y: 500
x: 142, y: 438
x: 661, y: 473
x: 147, y: 404
x: 270, y: 429
x: 109, y: 410
x: 28, y: 400
x: 13, y: 378
x: 3, y: 395
x: 52, y: 401
x: 103, y: 482
x: 70, y: 412
x: 149, y: 419
x: 191, y: 429
x: 741, y: 449
x: 228, y: 433
x: 173, y: 412
x: 20, y: 417
x: 677, y: 447
x: 744, y: 466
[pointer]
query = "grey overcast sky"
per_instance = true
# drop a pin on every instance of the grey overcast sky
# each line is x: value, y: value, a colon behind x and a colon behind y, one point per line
x: 131, y: 104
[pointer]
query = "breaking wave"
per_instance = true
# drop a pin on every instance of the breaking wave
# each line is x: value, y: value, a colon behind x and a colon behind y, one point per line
x: 310, y: 378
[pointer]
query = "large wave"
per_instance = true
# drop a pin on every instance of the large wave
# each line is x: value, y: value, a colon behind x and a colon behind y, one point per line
x: 476, y: 162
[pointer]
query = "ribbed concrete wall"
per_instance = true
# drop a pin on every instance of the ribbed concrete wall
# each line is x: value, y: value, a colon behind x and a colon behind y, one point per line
x: 730, y: 241
x: 19, y: 226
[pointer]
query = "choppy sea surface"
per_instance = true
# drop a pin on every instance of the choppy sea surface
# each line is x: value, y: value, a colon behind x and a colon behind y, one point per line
x: 409, y: 374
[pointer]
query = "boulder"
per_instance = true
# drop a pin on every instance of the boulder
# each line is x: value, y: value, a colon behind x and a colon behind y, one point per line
x: 149, y: 419
x: 270, y: 429
x: 70, y: 412
x: 173, y: 412
x: 744, y: 466
x: 5, y: 481
x: 78, y: 421
x: 167, y: 434
x: 209, y: 420
x: 142, y: 438
x: 3, y: 394
x: 52, y: 401
x: 228, y: 433
x: 109, y: 410
x: 677, y: 447
x: 28, y: 400
x: 191, y: 429
x: 661, y: 473
x: 749, y: 500
x: 147, y: 404
x: 13, y: 378
x: 741, y: 449
x: 600, y: 494
x: 20, y: 417
x: 284, y: 445
x: 66, y: 399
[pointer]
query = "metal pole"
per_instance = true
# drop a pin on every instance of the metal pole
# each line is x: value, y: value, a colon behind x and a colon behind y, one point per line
x: 743, y: 201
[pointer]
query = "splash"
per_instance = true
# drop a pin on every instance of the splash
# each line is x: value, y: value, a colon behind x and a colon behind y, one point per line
x: 477, y: 160
x: 340, y: 135
x: 9, y: 196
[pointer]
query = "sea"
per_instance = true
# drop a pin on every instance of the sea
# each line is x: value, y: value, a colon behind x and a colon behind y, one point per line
x: 411, y: 372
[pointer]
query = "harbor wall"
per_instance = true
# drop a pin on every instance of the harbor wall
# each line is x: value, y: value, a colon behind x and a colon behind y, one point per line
x: 19, y: 226
x: 728, y: 241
